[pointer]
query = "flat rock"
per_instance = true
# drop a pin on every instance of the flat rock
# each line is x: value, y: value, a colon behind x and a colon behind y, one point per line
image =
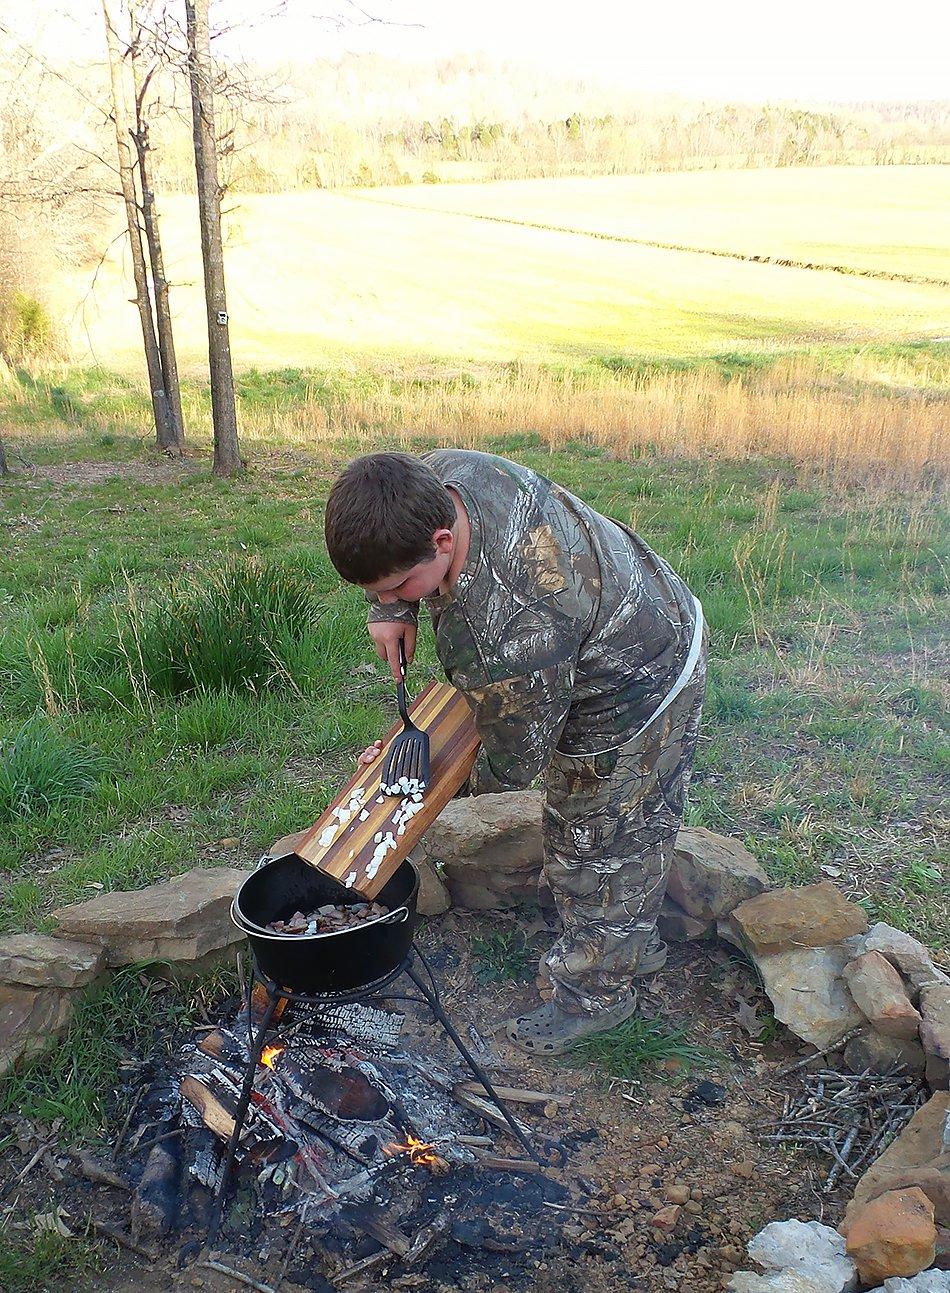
x: 677, y: 926
x: 41, y: 961
x: 935, y: 1029
x: 29, y: 1019
x: 488, y: 848
x: 920, y: 1156
x: 893, y: 1234
x: 910, y: 956
x: 774, y: 1282
x: 879, y: 992
x: 925, y: 1282
x: 814, y: 915
x: 808, y: 993
x: 711, y: 874
x: 181, y: 919
x: 806, y: 1249
x: 874, y: 1051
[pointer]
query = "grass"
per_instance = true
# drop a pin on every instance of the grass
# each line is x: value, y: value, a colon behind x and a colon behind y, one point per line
x: 43, y: 1261
x: 316, y: 278
x: 630, y: 1048
x: 825, y: 737
x: 76, y: 1080
x: 504, y: 955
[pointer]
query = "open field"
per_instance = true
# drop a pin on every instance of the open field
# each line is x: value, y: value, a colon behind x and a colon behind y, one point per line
x: 319, y: 278
x: 891, y: 220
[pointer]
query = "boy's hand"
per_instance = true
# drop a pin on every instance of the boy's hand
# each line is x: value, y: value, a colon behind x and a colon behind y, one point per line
x: 369, y: 755
x: 386, y: 635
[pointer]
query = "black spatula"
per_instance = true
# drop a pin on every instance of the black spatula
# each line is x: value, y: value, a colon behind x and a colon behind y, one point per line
x: 408, y: 758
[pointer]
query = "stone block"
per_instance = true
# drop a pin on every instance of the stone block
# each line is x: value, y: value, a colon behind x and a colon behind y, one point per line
x: 29, y: 1020
x: 935, y: 1029
x: 181, y: 919
x: 910, y: 956
x: 918, y: 1157
x: 711, y: 874
x: 814, y: 915
x: 808, y: 1250
x: 879, y: 992
x: 874, y: 1051
x: 893, y: 1234
x: 677, y: 926
x: 808, y: 993
x: 41, y: 961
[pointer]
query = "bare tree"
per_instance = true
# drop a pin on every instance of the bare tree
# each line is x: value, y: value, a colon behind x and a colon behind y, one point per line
x: 227, y: 457
x: 167, y: 436
x: 163, y: 318
x: 4, y: 469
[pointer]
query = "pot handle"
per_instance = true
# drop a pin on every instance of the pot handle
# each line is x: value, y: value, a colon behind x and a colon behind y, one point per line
x: 398, y: 916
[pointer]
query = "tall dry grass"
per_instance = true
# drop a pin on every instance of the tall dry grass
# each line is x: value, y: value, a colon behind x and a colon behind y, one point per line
x: 791, y: 410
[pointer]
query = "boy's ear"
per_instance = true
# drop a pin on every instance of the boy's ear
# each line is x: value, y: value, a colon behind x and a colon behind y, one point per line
x: 443, y: 540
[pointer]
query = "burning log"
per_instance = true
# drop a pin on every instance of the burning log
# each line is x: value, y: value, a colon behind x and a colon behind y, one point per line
x: 213, y: 1113
x: 420, y: 1153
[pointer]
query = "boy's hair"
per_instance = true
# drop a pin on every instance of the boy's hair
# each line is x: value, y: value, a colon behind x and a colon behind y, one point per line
x: 381, y: 515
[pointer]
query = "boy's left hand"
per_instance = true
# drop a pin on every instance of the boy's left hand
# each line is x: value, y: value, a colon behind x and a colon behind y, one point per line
x: 369, y: 755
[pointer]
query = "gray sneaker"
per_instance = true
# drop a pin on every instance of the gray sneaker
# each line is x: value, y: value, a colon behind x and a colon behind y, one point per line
x: 549, y: 1030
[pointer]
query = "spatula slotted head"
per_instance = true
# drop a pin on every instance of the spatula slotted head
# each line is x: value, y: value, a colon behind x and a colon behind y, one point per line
x: 408, y: 758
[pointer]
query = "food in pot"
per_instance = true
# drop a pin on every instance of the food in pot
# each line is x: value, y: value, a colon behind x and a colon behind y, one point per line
x: 328, y: 919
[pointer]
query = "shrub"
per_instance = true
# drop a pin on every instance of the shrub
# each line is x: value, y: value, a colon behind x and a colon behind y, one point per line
x: 224, y: 634
x: 41, y: 767
x: 26, y: 330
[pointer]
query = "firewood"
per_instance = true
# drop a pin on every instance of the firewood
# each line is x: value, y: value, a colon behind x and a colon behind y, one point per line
x: 427, y: 1239
x: 485, y: 1109
x: 516, y: 1094
x: 213, y: 1113
x: 371, y: 1219
x: 157, y: 1196
x: 124, y: 1240
x: 100, y: 1173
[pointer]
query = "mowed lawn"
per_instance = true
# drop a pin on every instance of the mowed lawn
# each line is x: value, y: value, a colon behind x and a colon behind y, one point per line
x: 331, y: 277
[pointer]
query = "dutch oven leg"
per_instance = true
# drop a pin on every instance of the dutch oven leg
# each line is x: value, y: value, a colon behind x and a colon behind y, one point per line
x: 239, y: 1115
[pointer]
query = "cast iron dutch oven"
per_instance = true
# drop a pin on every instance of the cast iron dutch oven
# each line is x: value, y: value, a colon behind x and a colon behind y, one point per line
x: 342, y: 961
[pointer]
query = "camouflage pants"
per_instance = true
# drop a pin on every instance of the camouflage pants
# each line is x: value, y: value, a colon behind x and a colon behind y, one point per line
x: 610, y: 822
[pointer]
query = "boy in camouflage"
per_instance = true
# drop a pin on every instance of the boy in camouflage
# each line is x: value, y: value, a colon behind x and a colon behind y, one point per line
x: 583, y: 657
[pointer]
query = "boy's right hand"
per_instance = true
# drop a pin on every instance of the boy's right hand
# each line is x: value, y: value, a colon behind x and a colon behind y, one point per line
x: 386, y: 635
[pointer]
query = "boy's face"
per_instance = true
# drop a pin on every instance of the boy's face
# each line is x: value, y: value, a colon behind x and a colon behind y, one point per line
x: 421, y: 580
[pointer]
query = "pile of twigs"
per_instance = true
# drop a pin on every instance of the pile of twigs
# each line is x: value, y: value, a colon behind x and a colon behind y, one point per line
x: 852, y: 1117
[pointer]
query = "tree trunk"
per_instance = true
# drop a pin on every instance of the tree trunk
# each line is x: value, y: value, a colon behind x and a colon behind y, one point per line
x: 4, y: 469
x: 164, y: 430
x: 163, y: 317
x: 227, y: 458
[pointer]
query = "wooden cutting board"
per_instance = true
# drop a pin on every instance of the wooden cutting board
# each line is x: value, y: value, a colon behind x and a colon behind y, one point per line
x: 346, y: 845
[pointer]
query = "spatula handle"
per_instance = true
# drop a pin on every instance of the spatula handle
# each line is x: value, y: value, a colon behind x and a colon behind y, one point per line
x: 401, y: 686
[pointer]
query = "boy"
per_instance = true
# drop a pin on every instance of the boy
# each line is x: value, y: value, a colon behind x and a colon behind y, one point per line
x: 583, y: 657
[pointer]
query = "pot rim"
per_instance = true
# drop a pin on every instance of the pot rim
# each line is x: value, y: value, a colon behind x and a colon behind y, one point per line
x: 258, y: 931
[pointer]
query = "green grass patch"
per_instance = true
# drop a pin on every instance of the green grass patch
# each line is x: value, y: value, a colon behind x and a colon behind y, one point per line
x: 504, y: 955
x: 44, y: 1261
x: 42, y: 768
x: 637, y: 1044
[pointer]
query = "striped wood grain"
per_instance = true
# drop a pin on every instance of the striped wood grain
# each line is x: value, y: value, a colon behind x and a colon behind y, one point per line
x: 444, y: 713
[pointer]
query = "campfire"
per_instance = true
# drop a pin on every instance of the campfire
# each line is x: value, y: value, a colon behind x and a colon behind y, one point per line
x: 353, y: 1135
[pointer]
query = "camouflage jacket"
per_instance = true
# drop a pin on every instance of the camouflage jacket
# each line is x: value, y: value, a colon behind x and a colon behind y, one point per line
x: 564, y: 630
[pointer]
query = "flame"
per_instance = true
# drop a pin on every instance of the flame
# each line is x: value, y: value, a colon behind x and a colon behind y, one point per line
x: 269, y: 1054
x: 419, y: 1152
